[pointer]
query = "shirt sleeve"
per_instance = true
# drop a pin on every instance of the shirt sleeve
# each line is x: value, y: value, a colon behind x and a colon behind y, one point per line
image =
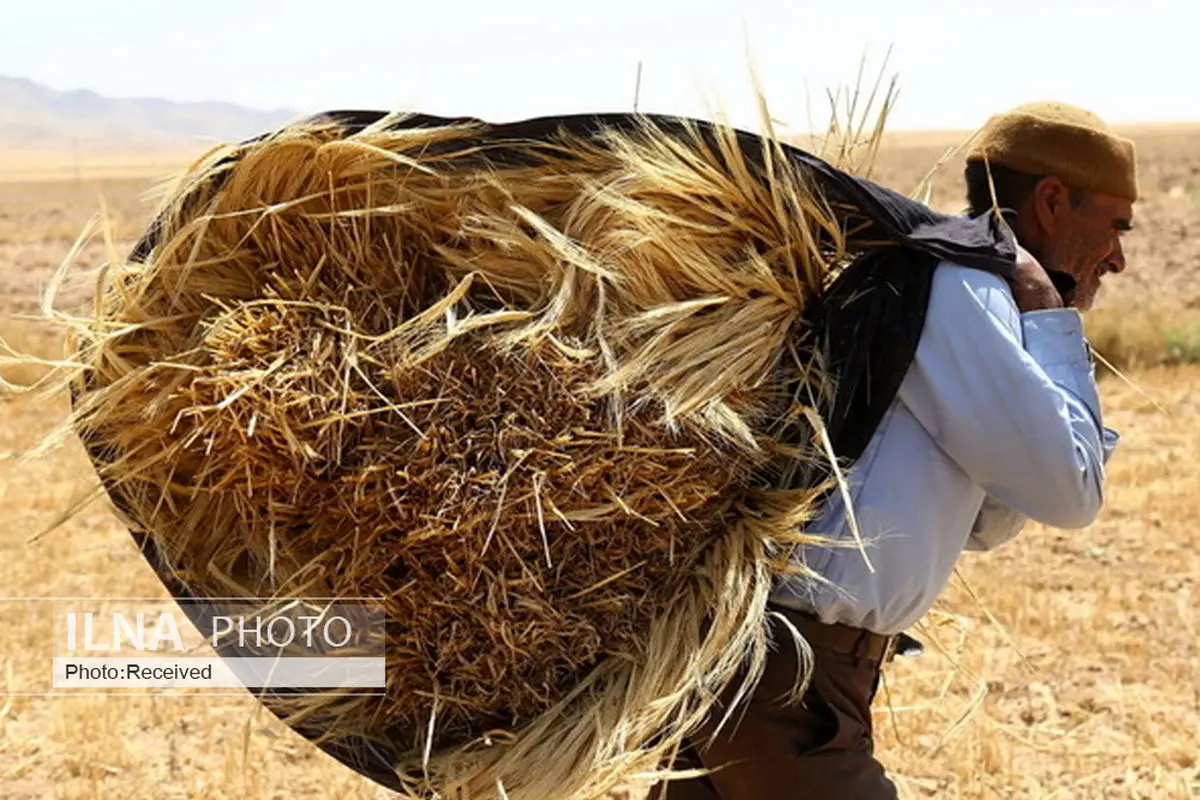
x: 1011, y: 398
x: 996, y: 523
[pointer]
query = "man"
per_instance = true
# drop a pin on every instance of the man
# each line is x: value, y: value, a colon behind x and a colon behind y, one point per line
x: 997, y: 421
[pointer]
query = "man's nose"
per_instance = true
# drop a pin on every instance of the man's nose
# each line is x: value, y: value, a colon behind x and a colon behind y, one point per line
x: 1116, y: 258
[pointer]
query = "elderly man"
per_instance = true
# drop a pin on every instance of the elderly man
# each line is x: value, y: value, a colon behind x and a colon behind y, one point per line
x: 996, y: 421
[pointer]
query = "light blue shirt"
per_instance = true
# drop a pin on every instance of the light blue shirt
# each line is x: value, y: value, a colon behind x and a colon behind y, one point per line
x: 997, y: 421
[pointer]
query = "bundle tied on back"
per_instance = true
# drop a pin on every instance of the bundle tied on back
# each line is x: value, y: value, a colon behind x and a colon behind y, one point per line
x: 545, y: 389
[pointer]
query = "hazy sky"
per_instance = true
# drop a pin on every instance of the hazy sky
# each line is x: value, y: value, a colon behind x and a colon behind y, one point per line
x: 1134, y: 60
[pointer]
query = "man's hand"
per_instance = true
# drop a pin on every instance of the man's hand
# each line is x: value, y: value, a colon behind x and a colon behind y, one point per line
x: 1031, y: 286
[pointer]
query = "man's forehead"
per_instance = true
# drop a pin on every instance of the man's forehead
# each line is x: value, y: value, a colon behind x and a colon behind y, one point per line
x: 1119, y: 207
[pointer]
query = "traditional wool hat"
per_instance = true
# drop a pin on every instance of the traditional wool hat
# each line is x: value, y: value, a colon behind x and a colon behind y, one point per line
x: 1051, y: 138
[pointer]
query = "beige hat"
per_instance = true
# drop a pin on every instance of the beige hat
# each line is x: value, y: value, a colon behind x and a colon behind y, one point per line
x: 1049, y: 138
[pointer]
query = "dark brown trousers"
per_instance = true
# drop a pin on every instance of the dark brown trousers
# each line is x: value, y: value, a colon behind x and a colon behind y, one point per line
x: 820, y: 748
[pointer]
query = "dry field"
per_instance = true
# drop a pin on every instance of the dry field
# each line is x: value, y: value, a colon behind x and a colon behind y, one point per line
x: 1062, y: 665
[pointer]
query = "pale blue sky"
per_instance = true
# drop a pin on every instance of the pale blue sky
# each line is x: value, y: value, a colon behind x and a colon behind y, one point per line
x: 1131, y: 61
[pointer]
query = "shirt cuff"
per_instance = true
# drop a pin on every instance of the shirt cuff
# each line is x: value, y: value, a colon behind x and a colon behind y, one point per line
x: 1054, y: 339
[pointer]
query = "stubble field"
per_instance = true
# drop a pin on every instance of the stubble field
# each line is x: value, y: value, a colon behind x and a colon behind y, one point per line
x: 1063, y: 665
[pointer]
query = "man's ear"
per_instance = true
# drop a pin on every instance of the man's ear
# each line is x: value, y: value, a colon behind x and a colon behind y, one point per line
x: 1050, y: 196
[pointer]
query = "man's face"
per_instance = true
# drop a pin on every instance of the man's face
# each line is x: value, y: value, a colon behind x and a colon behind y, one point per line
x: 1085, y: 242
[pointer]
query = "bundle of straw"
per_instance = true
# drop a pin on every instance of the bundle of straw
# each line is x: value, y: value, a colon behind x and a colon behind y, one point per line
x: 529, y: 389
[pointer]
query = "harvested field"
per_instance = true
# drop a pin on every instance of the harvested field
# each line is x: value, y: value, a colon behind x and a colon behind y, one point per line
x: 1065, y: 661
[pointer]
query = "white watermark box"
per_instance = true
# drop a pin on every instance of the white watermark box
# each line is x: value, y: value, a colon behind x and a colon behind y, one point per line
x: 348, y: 672
x: 130, y: 645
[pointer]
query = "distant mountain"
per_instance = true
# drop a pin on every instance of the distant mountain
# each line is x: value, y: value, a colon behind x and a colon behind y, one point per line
x: 35, y: 115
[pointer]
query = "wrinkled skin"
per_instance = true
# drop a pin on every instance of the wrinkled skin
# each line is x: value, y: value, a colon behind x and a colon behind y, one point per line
x: 1078, y: 233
